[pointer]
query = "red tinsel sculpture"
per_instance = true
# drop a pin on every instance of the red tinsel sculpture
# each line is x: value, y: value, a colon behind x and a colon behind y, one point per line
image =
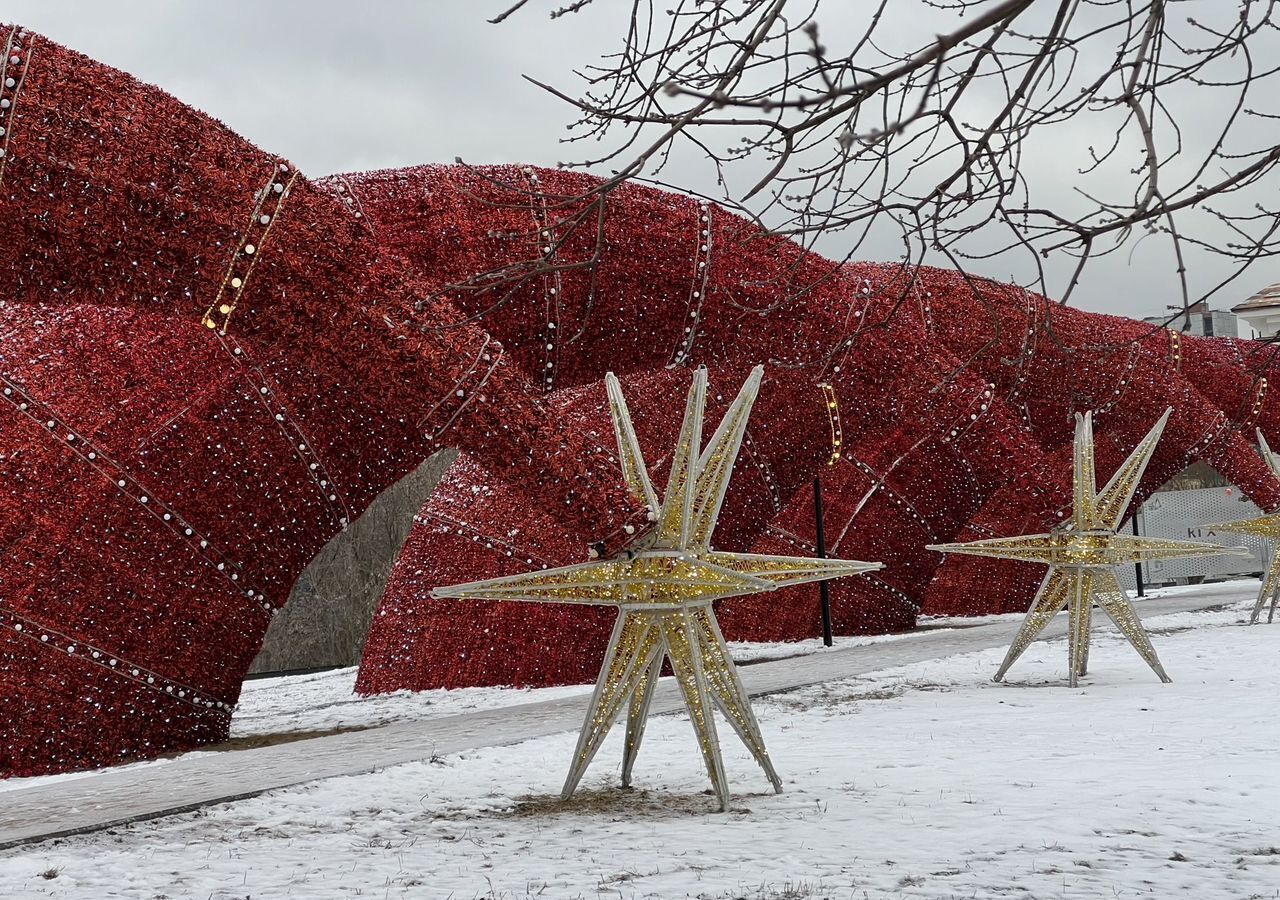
x: 211, y: 364
x: 945, y: 405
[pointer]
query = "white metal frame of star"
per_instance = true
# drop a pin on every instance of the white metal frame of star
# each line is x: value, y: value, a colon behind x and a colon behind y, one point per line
x: 664, y: 585
x: 1082, y: 553
x: 1265, y: 526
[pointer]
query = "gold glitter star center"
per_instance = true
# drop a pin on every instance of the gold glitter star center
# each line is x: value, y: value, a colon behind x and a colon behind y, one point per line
x: 664, y: 586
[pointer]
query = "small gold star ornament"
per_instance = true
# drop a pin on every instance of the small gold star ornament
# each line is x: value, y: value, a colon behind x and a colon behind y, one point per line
x: 1264, y: 526
x: 1082, y: 553
x: 664, y: 585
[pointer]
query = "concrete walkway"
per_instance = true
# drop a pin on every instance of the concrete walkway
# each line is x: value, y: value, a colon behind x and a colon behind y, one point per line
x: 113, y: 797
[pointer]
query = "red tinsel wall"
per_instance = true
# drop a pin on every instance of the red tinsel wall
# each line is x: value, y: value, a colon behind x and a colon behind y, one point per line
x: 163, y: 482
x: 954, y: 403
x: 210, y: 364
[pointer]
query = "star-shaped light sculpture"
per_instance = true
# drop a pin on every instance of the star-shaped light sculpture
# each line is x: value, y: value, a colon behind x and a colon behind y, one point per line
x: 664, y: 585
x: 1082, y: 553
x: 1264, y: 526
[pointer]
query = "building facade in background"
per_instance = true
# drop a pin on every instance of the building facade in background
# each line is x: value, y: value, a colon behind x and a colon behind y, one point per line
x: 1203, y: 321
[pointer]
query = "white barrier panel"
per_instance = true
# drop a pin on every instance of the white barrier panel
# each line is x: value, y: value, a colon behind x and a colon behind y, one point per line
x: 1183, y: 515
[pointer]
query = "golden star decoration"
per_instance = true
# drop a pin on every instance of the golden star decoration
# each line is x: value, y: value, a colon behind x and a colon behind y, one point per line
x: 1082, y: 553
x: 1264, y: 526
x: 664, y: 585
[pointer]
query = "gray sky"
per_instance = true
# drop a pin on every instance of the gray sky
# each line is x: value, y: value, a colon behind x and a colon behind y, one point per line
x: 340, y: 87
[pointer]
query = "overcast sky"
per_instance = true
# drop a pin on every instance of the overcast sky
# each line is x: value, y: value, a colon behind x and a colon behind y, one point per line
x: 340, y: 87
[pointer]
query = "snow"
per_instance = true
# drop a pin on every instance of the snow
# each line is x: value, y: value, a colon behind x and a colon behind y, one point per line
x: 326, y: 701
x: 14, y: 784
x: 301, y: 706
x: 922, y: 781
x: 309, y: 705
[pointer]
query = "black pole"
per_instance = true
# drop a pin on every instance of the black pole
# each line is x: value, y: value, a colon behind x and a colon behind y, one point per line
x: 1137, y: 566
x: 823, y: 590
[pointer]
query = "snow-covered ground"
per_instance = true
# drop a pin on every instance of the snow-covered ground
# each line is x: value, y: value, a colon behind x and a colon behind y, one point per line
x: 326, y: 701
x: 301, y: 706
x: 922, y: 781
x: 293, y: 707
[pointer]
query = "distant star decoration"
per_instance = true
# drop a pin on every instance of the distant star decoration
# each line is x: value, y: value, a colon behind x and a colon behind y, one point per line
x: 1265, y: 526
x: 664, y: 585
x: 1082, y: 553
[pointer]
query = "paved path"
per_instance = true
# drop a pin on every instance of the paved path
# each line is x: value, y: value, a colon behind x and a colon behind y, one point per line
x: 115, y: 797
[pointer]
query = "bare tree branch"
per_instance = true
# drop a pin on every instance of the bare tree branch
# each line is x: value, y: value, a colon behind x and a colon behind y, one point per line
x: 1033, y: 135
